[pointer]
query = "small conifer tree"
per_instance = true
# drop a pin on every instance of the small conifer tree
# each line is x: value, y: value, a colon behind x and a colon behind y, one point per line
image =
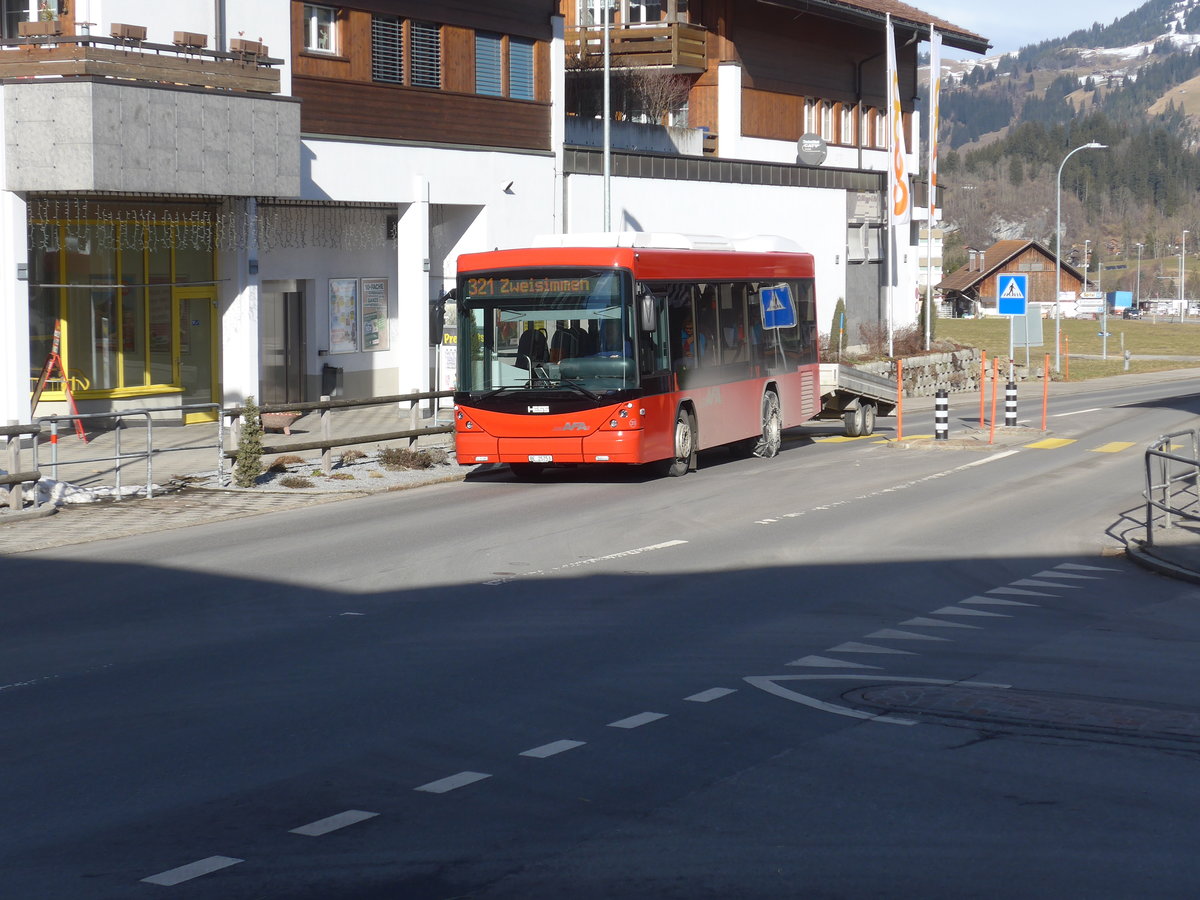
x: 248, y: 465
x: 837, y: 335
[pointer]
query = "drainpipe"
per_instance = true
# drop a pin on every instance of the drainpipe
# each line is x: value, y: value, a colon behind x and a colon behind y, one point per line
x: 219, y: 25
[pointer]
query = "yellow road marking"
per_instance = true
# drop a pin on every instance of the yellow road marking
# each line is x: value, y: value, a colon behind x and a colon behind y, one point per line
x: 1050, y: 444
x: 841, y: 439
x: 1113, y: 447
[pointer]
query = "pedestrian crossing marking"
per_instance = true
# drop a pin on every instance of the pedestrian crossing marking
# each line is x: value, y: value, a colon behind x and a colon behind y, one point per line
x: 1049, y: 444
x: 1113, y: 447
x: 1013, y: 291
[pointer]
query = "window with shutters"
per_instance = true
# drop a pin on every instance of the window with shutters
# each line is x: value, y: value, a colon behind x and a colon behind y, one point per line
x: 425, y: 54
x: 387, y: 49
x: 520, y: 68
x: 489, y: 52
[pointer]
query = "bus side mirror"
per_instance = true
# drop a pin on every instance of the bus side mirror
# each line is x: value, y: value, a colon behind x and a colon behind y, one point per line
x: 647, y: 312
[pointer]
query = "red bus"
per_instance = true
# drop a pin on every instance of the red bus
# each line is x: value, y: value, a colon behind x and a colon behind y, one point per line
x: 632, y: 348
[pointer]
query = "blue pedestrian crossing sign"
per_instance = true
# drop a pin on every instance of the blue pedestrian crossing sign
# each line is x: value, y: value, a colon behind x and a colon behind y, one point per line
x: 1013, y: 289
x: 778, y: 308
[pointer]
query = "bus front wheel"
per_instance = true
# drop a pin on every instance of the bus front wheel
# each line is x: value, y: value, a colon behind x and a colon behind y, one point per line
x: 685, y: 446
x: 771, y: 440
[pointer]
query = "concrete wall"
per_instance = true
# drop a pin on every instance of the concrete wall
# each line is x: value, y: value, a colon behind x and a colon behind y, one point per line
x: 113, y: 136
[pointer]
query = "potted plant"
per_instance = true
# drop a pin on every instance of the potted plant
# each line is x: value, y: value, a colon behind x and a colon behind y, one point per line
x: 280, y: 421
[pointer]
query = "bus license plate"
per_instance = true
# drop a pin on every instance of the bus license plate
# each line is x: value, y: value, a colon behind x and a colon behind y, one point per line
x: 541, y: 459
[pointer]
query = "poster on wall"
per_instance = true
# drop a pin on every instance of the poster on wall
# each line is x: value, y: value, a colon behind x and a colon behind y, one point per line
x: 343, y: 315
x: 375, y: 313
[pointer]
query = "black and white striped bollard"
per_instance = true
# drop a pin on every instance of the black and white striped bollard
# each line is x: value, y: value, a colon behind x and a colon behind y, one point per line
x: 1010, y: 404
x: 941, y: 416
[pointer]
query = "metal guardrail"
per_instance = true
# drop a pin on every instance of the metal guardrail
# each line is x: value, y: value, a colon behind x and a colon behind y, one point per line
x: 1172, y: 480
x: 119, y: 455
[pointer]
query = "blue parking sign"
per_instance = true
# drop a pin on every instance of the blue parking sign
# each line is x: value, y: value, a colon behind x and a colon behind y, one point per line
x: 1013, y: 290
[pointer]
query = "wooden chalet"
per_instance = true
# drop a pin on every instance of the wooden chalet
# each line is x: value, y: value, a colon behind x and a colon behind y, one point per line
x: 974, y: 287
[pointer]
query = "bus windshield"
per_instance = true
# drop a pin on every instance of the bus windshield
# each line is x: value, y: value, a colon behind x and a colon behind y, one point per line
x: 546, y: 329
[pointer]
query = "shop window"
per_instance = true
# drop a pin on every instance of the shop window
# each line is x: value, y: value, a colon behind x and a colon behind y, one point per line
x: 111, y: 284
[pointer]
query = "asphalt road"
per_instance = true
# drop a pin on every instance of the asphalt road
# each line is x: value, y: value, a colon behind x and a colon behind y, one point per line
x: 855, y: 670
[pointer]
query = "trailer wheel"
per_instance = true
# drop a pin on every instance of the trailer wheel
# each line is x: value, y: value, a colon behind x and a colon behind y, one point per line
x: 868, y: 420
x: 852, y: 421
x: 685, y: 446
x: 771, y: 440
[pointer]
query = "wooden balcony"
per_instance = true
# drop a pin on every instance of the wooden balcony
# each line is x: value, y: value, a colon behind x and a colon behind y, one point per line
x: 679, y: 46
x: 112, y: 58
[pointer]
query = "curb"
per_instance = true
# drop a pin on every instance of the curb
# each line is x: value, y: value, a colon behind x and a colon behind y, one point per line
x: 1137, y: 551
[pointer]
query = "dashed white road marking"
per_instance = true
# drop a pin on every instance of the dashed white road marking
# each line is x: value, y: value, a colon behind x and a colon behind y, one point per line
x: 893, y: 634
x: 995, y: 601
x: 1078, y: 412
x: 637, y: 721
x: 857, y: 647
x: 957, y: 611
x: 192, y: 870
x: 452, y: 783
x: 710, y: 695
x: 552, y: 749
x: 585, y: 562
x: 333, y: 823
x: 922, y: 622
x: 824, y: 662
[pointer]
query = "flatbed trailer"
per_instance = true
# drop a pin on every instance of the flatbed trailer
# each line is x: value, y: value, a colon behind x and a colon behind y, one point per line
x: 856, y: 397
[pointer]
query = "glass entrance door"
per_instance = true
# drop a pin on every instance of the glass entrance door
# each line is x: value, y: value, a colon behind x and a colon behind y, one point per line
x: 196, y: 353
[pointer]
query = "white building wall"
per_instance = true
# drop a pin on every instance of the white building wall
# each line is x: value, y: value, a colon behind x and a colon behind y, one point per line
x: 733, y: 210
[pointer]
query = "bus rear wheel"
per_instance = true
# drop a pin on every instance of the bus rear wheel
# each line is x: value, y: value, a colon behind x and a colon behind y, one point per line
x: 767, y: 446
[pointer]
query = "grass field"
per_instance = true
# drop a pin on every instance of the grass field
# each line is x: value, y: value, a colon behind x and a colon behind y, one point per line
x: 1081, y: 338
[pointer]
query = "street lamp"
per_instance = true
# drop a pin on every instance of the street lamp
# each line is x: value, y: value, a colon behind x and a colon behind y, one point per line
x: 1182, y: 254
x: 1137, y: 291
x: 1093, y: 145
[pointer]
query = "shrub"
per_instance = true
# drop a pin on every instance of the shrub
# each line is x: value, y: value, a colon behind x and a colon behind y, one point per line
x: 342, y: 476
x: 248, y: 465
x: 296, y: 481
x: 404, y: 458
x: 349, y: 456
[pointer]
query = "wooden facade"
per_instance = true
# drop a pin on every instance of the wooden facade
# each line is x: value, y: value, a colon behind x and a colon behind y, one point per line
x: 978, y: 280
x: 341, y: 97
x: 805, y: 66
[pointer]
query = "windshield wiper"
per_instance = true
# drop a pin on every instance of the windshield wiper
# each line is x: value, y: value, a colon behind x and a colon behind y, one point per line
x: 578, y: 387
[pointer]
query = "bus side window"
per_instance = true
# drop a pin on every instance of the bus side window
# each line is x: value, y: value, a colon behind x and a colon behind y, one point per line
x: 733, y: 323
x: 707, y: 327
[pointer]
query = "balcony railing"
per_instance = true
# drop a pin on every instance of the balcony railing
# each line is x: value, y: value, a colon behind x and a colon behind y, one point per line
x: 91, y: 55
x: 680, y: 46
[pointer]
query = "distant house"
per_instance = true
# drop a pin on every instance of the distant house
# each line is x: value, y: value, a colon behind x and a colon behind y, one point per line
x: 973, y: 290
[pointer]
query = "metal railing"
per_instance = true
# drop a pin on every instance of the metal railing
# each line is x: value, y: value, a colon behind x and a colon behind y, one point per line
x: 119, y: 456
x: 1172, y: 480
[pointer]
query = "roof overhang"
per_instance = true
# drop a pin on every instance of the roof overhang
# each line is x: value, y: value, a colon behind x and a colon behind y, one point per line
x: 876, y: 11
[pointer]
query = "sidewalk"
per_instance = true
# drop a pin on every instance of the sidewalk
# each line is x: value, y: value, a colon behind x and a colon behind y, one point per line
x: 186, y: 459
